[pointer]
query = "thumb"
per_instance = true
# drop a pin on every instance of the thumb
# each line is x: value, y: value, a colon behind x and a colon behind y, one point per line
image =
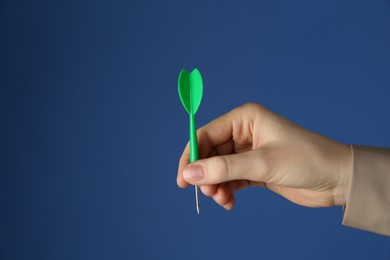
x: 250, y: 165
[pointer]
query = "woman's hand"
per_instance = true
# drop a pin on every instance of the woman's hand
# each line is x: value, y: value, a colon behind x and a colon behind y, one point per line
x: 252, y: 146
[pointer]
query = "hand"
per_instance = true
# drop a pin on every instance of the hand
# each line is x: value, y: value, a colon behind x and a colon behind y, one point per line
x: 252, y: 146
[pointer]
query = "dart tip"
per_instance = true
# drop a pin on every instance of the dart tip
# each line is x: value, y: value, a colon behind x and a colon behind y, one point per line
x: 197, y: 199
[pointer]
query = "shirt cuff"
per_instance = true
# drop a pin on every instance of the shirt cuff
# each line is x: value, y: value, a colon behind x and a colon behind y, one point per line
x: 368, y: 201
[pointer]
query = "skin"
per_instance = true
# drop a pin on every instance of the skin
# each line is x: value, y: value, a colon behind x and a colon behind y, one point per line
x: 252, y: 146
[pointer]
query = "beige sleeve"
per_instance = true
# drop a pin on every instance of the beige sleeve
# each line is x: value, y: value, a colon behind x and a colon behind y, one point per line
x: 368, y: 202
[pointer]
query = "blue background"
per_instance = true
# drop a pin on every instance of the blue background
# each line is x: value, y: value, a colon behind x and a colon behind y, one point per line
x: 92, y: 127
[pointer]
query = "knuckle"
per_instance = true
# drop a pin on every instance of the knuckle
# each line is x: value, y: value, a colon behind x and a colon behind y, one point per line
x: 225, y: 199
x: 251, y: 106
x: 250, y: 110
x: 218, y: 169
x: 222, y: 196
x: 207, y: 190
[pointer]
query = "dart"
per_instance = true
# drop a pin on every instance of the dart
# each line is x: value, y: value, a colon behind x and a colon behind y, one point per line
x: 190, y: 86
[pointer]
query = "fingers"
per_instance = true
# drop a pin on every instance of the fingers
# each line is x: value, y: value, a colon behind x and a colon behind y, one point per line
x: 232, y: 132
x: 222, y: 149
x: 209, y: 190
x: 252, y: 166
x: 223, y: 194
x: 231, y: 187
x: 214, y: 138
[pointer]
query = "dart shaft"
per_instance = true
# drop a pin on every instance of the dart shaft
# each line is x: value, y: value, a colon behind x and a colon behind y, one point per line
x: 193, y: 140
x: 194, y: 155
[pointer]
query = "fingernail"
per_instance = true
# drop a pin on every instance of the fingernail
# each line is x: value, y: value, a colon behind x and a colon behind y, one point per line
x: 193, y: 172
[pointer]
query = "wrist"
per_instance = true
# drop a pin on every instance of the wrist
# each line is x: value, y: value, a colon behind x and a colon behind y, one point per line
x: 345, y: 173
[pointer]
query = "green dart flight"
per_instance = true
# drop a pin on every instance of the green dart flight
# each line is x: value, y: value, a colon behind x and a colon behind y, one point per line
x: 190, y: 87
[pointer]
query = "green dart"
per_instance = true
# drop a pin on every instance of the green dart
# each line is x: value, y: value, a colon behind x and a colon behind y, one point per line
x: 190, y: 87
